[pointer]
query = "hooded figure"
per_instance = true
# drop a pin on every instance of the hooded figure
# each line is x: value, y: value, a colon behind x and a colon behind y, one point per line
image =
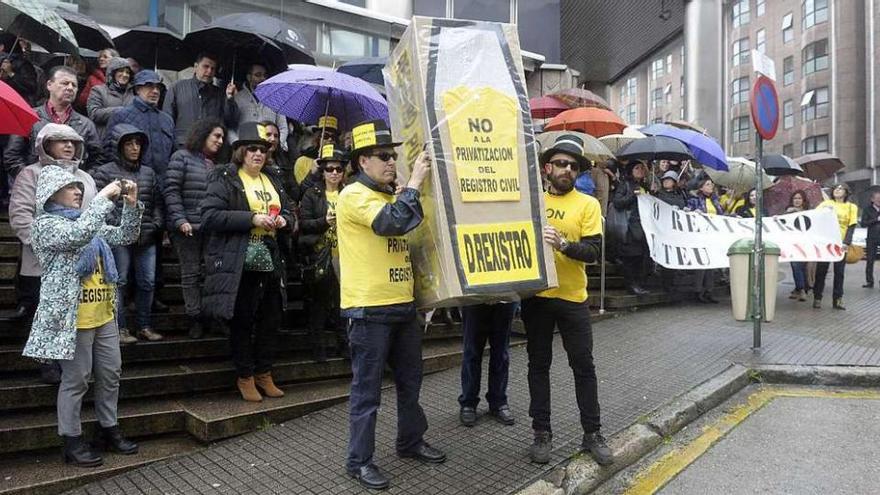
x: 105, y: 99
x: 68, y: 243
x: 22, y: 202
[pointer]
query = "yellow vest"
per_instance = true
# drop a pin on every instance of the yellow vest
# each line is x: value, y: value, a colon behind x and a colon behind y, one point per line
x: 96, y: 301
x: 574, y: 215
x: 374, y: 270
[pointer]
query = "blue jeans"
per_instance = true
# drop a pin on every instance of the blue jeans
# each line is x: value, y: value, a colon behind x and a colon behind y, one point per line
x: 481, y: 323
x: 799, y: 272
x: 145, y: 280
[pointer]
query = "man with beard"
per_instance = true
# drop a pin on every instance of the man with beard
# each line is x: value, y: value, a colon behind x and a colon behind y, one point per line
x: 574, y: 232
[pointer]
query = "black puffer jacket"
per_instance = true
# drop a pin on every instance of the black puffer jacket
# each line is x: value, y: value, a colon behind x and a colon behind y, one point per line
x: 149, y: 192
x: 186, y: 183
x: 625, y: 198
x: 675, y: 197
x: 226, y: 219
x: 313, y: 217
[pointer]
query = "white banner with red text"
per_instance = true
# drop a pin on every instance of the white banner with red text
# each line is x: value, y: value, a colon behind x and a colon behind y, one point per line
x: 684, y: 240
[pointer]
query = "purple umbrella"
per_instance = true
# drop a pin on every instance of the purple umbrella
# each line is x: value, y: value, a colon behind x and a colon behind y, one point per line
x: 706, y: 150
x: 306, y: 93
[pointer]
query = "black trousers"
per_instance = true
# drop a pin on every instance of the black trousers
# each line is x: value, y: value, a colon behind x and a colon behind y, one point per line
x: 633, y: 268
x: 870, y: 255
x: 541, y: 316
x: 822, y: 272
x: 324, y: 309
x: 28, y: 291
x: 255, y: 322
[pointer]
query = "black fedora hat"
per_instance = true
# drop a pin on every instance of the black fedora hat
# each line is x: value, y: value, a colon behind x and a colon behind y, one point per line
x: 332, y: 153
x: 251, y: 133
x: 570, y: 144
x: 369, y: 135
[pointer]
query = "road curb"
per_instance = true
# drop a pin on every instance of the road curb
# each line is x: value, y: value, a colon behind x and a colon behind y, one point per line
x: 840, y: 376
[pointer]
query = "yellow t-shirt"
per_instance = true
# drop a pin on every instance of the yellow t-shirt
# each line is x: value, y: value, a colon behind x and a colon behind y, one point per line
x: 375, y: 270
x: 302, y: 167
x: 574, y: 215
x: 96, y: 301
x: 262, y: 198
x: 847, y: 214
x: 330, y: 235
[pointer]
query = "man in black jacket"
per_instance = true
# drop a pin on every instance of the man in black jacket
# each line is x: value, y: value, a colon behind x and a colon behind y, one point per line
x: 191, y: 100
x: 871, y: 221
x: 62, y: 85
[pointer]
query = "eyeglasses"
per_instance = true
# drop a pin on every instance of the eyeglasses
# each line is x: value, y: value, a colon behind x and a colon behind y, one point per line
x: 255, y: 148
x: 333, y: 170
x: 575, y: 166
x: 385, y: 156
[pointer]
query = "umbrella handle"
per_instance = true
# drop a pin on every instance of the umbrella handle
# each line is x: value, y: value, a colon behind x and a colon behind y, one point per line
x: 326, y: 111
x: 14, y: 43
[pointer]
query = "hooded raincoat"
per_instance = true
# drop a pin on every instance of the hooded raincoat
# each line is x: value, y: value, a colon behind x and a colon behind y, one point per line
x: 22, y: 202
x: 106, y: 99
x: 58, y: 243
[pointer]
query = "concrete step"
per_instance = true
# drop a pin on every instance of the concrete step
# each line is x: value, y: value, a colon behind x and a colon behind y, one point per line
x: 621, y: 299
x: 45, y: 474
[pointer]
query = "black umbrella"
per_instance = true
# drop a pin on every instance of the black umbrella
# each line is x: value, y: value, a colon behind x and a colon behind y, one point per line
x: 49, y: 60
x: 291, y: 42
x: 655, y: 148
x: 89, y: 34
x: 38, y: 24
x: 369, y: 69
x: 155, y: 47
x: 780, y: 165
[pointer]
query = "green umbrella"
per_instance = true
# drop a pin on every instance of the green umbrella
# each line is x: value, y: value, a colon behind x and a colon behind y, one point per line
x: 33, y: 21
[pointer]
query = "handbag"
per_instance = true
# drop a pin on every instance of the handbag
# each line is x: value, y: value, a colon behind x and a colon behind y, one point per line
x: 318, y: 265
x: 616, y: 225
x: 854, y: 254
x: 258, y: 257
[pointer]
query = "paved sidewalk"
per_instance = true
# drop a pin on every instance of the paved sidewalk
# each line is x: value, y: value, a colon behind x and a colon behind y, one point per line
x: 643, y: 360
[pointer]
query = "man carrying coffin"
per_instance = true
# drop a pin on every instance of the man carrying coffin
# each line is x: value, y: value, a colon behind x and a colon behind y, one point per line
x: 574, y: 232
x: 377, y: 297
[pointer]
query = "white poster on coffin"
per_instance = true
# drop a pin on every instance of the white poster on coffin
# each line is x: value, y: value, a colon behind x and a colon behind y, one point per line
x: 682, y: 240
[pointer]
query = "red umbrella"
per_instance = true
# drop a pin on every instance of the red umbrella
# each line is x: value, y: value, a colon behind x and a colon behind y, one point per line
x: 820, y: 166
x: 16, y: 116
x: 777, y: 196
x: 545, y: 107
x: 596, y: 122
x: 577, y: 97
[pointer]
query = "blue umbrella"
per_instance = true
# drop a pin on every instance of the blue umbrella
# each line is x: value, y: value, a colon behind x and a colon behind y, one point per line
x: 369, y: 69
x: 706, y: 150
x: 306, y: 93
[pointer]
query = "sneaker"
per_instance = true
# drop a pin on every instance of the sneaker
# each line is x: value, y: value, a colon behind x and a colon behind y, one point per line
x: 595, y: 445
x: 817, y: 303
x: 838, y: 304
x: 794, y: 294
x: 126, y: 338
x: 539, y: 452
x: 467, y: 416
x: 147, y: 333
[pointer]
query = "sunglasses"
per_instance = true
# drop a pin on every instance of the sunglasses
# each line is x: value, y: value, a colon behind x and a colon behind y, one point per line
x: 386, y: 156
x: 575, y: 166
x: 332, y: 170
x: 255, y: 148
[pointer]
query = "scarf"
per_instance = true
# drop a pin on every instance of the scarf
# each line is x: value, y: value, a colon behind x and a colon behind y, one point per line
x: 88, y: 258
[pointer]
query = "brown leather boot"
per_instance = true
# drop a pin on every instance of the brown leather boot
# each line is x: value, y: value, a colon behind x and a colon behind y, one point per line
x: 264, y: 381
x: 248, y: 390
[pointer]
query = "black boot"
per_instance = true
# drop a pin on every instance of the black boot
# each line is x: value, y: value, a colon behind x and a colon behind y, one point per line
x: 111, y: 439
x: 78, y: 453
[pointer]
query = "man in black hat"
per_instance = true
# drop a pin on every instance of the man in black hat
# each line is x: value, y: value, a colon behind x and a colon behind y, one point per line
x: 377, y: 298
x: 574, y: 232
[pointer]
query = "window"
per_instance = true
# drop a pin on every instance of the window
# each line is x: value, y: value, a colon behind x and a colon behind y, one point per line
x: 657, y: 120
x: 681, y: 57
x: 669, y: 64
x: 815, y: 12
x: 815, y: 144
x: 739, y: 90
x: 741, y: 51
x: 759, y: 8
x: 788, y: 150
x: 632, y: 86
x: 681, y: 113
x: 657, y: 69
x: 787, y: 71
x: 656, y: 97
x: 740, y: 13
x: 814, y: 104
x: 815, y: 57
x: 622, y: 91
x: 741, y: 129
x: 668, y: 92
x: 788, y: 114
x: 681, y: 87
x: 788, y: 28
x: 761, y: 41
x: 631, y: 113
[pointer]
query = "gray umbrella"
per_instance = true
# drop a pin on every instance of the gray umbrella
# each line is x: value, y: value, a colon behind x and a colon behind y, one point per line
x: 89, y: 34
x: 655, y: 148
x: 781, y: 165
x: 33, y: 21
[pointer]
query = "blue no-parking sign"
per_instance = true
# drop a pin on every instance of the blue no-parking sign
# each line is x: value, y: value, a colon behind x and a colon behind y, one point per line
x: 765, y: 107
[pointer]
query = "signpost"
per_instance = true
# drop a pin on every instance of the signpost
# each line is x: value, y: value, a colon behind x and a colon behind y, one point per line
x: 765, y: 115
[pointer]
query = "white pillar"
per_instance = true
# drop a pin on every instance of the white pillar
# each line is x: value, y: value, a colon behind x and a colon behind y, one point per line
x: 704, y: 64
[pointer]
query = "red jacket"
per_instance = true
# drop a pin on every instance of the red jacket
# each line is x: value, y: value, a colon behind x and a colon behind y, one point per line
x: 96, y: 78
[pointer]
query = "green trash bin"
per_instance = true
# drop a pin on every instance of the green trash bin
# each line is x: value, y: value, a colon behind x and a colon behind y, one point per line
x: 741, y: 282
